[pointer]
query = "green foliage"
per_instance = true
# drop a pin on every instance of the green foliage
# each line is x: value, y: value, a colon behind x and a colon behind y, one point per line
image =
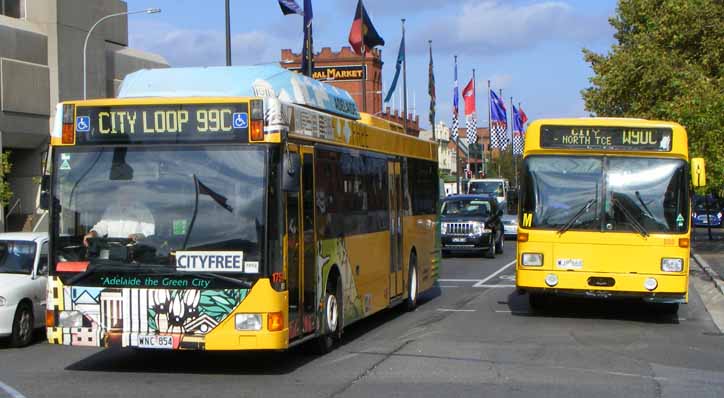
x: 667, y: 65
x: 5, y: 166
x: 504, y: 166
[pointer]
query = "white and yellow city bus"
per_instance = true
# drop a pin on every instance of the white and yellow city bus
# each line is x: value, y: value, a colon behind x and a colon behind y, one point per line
x: 242, y: 208
x: 604, y: 210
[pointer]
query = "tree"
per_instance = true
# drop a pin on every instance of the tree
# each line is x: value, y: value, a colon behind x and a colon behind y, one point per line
x: 5, y: 166
x: 667, y: 65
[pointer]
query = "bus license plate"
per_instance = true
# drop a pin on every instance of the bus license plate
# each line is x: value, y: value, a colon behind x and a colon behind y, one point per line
x: 155, y: 342
x: 569, y: 263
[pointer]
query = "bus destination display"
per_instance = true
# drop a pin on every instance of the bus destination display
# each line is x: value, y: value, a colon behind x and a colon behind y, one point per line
x: 162, y: 123
x: 607, y: 138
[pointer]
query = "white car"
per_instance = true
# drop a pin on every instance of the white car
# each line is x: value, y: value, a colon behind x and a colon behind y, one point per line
x: 23, y: 279
x: 510, y: 225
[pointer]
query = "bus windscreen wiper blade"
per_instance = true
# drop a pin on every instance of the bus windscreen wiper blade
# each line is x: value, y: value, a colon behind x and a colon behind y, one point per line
x: 576, y: 216
x: 638, y: 196
x: 632, y: 220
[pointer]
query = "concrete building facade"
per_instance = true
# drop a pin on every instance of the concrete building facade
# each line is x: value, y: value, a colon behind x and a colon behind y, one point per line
x: 41, y: 64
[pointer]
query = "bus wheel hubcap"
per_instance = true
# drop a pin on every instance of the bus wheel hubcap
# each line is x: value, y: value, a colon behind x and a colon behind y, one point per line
x: 332, y: 313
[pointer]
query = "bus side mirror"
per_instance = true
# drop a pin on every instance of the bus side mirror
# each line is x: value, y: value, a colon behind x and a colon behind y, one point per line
x: 698, y: 172
x: 44, y: 202
x: 290, y: 172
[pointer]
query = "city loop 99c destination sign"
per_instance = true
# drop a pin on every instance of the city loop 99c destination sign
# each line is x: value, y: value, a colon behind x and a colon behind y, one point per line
x: 162, y: 123
x: 607, y: 138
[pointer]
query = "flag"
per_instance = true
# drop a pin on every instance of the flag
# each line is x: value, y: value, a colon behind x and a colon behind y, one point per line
x: 456, y: 105
x: 307, y: 55
x: 517, y: 132
x: 498, y: 122
x: 363, y: 33
x: 431, y: 91
x: 523, y: 116
x: 398, y: 68
x: 471, y: 121
x: 290, y: 7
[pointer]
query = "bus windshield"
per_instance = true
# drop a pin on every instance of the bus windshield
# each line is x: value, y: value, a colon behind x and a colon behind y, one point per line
x: 154, y: 201
x: 489, y: 187
x: 644, y: 195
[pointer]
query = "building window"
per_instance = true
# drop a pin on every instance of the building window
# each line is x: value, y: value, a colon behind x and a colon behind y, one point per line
x: 12, y: 8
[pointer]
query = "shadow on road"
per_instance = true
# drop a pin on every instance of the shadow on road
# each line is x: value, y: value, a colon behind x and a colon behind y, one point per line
x: 573, y: 307
x: 231, y: 362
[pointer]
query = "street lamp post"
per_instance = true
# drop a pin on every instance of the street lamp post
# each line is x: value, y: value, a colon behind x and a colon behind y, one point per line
x: 85, y: 43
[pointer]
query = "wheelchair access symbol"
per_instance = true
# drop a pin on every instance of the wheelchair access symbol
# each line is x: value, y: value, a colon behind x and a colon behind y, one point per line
x: 240, y: 120
x: 82, y: 124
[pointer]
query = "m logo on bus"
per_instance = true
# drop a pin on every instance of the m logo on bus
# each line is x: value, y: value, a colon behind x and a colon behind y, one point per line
x: 527, y: 220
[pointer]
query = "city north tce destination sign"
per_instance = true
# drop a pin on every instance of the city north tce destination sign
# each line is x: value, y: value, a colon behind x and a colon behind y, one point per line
x: 158, y: 123
x: 339, y: 73
x: 607, y: 138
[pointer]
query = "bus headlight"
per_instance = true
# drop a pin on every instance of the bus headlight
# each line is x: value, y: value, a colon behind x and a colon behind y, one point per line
x: 532, y: 259
x: 650, y: 284
x: 672, y: 264
x: 70, y: 319
x: 247, y: 322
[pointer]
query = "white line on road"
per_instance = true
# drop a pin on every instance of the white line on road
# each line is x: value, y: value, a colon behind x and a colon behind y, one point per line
x: 494, y: 274
x: 458, y: 280
x: 449, y: 286
x: 11, y: 391
x: 454, y: 310
x: 493, y: 286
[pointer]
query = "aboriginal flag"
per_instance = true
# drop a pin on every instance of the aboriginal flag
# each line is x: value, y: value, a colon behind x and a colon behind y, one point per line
x: 363, y: 33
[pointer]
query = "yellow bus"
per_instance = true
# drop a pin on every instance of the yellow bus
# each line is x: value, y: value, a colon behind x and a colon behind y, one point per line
x: 240, y: 208
x: 604, y: 210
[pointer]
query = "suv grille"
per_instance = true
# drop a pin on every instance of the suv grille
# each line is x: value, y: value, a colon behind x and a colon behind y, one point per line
x: 459, y: 229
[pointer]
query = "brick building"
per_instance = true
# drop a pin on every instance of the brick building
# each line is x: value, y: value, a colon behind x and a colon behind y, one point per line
x: 345, y: 69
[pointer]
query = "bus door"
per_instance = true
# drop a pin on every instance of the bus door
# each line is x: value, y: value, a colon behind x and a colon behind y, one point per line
x: 301, y: 274
x: 309, y: 270
x: 394, y: 185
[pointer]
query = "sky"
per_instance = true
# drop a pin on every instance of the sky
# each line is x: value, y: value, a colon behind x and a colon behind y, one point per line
x: 531, y: 49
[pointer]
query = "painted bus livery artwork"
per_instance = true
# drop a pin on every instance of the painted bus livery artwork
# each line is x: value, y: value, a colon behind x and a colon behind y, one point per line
x: 607, y: 138
x: 169, y: 123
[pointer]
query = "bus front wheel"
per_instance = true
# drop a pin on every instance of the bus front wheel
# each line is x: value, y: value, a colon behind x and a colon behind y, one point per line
x: 332, y: 319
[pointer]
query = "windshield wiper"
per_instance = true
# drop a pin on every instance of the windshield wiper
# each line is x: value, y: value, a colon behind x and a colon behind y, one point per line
x: 632, y: 220
x: 576, y: 216
x: 638, y: 196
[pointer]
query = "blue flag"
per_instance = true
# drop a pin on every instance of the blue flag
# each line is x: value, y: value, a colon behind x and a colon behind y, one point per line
x: 308, y: 47
x: 498, y: 122
x: 290, y: 7
x: 398, y: 67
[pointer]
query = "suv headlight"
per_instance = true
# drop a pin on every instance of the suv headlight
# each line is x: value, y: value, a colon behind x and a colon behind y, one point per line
x: 3, y: 301
x: 672, y: 264
x: 478, y: 228
x: 532, y: 259
x: 443, y: 227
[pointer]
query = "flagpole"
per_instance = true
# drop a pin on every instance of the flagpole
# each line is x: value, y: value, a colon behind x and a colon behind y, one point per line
x: 500, y: 151
x: 432, y: 109
x: 512, y: 141
x: 404, y: 82
x: 228, y: 34
x: 457, y: 138
x: 475, y: 116
x: 490, y: 128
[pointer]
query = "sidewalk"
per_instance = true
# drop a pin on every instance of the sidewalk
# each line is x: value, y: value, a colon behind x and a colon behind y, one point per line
x: 711, y: 251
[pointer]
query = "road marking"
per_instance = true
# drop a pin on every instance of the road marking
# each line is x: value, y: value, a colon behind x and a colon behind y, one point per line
x: 458, y: 280
x: 450, y: 286
x: 494, y: 274
x: 11, y: 391
x: 493, y: 286
x: 454, y: 310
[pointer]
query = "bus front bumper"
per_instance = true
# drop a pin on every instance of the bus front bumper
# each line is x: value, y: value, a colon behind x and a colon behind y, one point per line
x: 668, y: 288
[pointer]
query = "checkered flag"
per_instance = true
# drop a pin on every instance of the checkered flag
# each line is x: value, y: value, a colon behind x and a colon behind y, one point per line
x: 517, y: 143
x: 497, y: 135
x: 471, y: 124
x: 454, y: 128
